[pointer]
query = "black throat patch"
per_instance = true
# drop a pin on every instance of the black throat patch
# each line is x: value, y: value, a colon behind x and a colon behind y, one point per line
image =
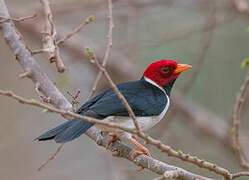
x: 169, y: 86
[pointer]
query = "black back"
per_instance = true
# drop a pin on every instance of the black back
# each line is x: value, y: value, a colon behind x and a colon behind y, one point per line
x: 144, y: 98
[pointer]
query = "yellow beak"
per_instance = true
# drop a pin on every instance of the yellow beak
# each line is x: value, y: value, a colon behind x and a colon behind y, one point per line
x: 182, y: 67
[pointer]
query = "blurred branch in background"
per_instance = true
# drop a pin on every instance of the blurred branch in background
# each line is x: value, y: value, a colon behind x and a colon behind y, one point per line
x: 180, y: 34
x: 241, y: 6
x: 236, y: 124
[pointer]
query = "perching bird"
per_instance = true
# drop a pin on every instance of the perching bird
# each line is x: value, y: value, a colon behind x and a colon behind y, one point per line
x: 148, y: 98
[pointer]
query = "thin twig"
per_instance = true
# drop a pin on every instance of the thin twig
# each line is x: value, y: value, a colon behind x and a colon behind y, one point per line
x: 20, y: 19
x: 108, y: 48
x: 39, y: 51
x: 239, y: 174
x: 50, y: 158
x: 181, y: 34
x: 75, y: 31
x: 236, y: 123
x: 49, y: 38
x: 75, y: 102
x: 26, y: 74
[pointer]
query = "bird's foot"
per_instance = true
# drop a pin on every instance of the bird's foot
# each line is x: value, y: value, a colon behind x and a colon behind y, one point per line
x: 136, y: 153
x: 113, y: 139
x: 142, y: 149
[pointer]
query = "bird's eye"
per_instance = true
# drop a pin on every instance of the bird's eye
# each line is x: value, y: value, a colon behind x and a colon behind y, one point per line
x: 165, y: 70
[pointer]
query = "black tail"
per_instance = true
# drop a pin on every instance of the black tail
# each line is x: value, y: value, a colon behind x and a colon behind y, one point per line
x: 67, y: 131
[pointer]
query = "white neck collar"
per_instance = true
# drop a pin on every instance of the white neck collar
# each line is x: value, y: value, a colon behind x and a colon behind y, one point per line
x: 154, y: 83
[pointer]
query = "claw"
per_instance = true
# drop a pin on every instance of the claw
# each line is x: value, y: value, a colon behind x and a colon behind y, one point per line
x: 143, y: 150
x: 136, y: 153
x: 113, y: 139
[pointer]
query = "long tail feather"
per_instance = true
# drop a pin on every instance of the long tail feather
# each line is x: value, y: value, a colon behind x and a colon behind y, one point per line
x: 67, y: 131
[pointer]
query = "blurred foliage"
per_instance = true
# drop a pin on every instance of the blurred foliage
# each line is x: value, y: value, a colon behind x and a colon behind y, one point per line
x: 244, y: 63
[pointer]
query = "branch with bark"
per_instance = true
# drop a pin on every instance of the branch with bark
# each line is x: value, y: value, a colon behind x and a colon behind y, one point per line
x: 49, y: 38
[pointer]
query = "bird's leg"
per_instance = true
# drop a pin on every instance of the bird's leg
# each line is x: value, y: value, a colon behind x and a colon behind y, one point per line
x: 143, y: 150
x: 114, y: 138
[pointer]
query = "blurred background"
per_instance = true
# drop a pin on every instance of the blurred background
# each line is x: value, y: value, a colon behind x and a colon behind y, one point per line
x: 212, y: 36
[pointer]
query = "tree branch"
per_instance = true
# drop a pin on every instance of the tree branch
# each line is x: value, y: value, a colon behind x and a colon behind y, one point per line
x: 49, y: 38
x: 236, y: 123
x: 241, y: 6
x: 23, y: 56
x: 75, y: 31
x: 20, y: 19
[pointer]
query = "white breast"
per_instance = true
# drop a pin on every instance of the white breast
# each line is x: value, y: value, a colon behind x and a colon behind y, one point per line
x: 148, y: 122
x: 144, y: 123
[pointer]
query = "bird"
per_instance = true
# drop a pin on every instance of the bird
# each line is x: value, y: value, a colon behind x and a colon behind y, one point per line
x: 148, y: 97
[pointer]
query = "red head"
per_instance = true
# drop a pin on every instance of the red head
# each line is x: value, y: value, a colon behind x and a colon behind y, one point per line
x: 164, y: 71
